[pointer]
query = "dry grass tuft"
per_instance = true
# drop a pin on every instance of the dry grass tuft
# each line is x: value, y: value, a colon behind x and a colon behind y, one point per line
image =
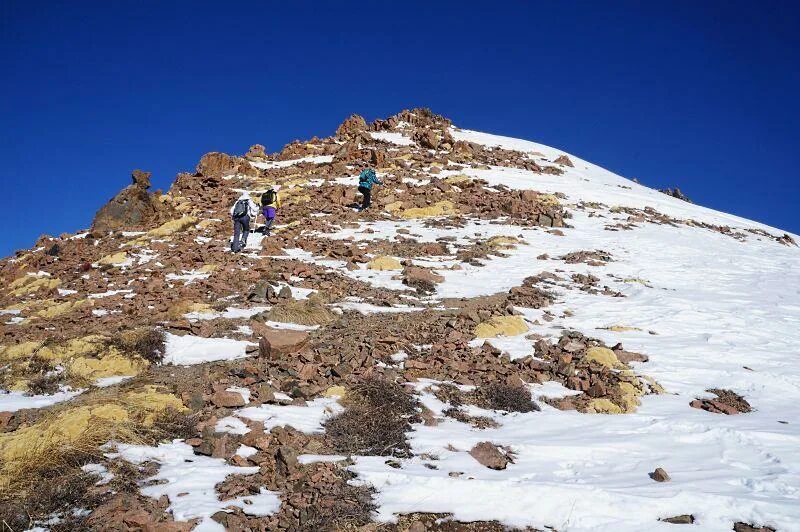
x: 497, y: 396
x: 377, y: 415
x: 62, y: 441
x: 311, y: 311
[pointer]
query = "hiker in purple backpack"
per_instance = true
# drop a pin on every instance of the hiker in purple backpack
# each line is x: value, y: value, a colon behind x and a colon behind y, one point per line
x: 270, y: 201
x: 244, y: 211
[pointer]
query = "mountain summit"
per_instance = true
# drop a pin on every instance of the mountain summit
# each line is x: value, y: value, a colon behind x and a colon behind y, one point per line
x: 510, y: 336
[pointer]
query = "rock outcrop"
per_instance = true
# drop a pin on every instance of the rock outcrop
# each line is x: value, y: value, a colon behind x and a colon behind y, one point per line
x: 133, y: 208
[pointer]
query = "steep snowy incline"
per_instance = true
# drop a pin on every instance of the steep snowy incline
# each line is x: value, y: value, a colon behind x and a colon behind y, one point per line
x: 589, y: 182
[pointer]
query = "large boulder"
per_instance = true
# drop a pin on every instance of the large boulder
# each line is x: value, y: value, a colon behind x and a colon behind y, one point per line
x: 216, y: 164
x: 134, y: 207
x: 276, y: 343
x: 487, y: 454
x: 352, y: 126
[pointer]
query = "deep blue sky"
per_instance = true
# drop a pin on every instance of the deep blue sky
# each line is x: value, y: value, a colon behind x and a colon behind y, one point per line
x: 703, y: 95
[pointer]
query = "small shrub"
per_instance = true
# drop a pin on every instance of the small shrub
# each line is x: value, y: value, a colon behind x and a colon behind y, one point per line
x: 497, y: 396
x: 376, y: 418
x: 352, y: 508
x: 147, y: 343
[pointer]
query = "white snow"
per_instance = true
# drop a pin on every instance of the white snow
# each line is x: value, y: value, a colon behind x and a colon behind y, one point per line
x: 724, y: 314
x: 188, y: 277
x: 315, y: 458
x: 393, y: 137
x: 13, y: 401
x: 317, y: 159
x: 231, y: 425
x: 105, y: 382
x: 101, y: 471
x: 308, y: 418
x: 109, y: 293
x: 189, y: 481
x: 188, y: 350
x: 246, y: 451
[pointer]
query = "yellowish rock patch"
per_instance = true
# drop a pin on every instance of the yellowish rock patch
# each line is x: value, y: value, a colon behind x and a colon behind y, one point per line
x: 440, y: 208
x: 603, y: 356
x: 603, y: 406
x: 114, y: 259
x: 171, y: 227
x: 29, y: 284
x: 501, y: 326
x: 384, y: 263
x: 54, y: 311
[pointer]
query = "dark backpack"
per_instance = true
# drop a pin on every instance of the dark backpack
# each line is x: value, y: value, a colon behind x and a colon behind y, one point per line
x: 267, y: 198
x: 240, y: 209
x: 366, y: 176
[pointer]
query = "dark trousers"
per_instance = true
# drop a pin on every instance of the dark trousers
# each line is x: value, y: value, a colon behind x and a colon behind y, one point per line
x: 367, y: 193
x: 241, y: 226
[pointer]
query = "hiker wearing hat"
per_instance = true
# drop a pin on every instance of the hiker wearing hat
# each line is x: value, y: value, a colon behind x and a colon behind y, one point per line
x: 366, y: 179
x: 270, y: 201
x: 243, y: 211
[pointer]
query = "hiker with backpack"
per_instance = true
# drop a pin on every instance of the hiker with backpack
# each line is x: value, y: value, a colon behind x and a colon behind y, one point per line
x: 270, y: 201
x: 366, y: 179
x: 244, y: 211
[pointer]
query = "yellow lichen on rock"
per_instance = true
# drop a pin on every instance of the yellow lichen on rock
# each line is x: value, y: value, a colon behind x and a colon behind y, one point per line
x: 384, y: 263
x: 74, y: 348
x: 171, y: 227
x: 59, y: 309
x: 394, y: 206
x: 603, y: 406
x: 112, y: 364
x: 205, y: 224
x: 503, y: 242
x: 548, y: 200
x: 335, y: 391
x: 628, y: 395
x: 29, y: 284
x: 440, y: 208
x: 621, y: 328
x: 603, y: 356
x: 114, y: 259
x: 654, y: 386
x: 501, y: 326
x: 180, y: 309
x: 22, y: 350
x: 457, y: 179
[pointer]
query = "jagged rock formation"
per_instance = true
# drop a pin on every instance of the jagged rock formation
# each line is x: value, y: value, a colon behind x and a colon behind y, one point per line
x: 133, y: 208
x: 675, y: 193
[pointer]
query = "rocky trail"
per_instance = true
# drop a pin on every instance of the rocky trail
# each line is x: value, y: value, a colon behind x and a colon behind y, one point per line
x: 509, y: 338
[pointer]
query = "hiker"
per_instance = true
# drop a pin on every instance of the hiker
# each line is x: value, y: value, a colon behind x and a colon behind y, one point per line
x: 242, y: 212
x: 270, y: 201
x: 366, y: 179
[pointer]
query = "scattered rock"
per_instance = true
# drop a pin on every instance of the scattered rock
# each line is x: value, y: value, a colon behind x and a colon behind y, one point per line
x: 659, y: 475
x: 728, y: 402
x: 685, y: 519
x: 226, y: 399
x: 488, y: 454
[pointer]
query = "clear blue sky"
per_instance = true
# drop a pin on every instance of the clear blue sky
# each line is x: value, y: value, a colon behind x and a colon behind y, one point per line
x: 702, y: 95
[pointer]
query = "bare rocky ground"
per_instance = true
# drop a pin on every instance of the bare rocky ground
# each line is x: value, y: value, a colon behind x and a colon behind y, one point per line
x: 152, y: 263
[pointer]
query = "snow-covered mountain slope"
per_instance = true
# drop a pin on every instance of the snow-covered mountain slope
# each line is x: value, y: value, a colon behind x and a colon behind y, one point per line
x: 648, y: 332
x: 710, y: 311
